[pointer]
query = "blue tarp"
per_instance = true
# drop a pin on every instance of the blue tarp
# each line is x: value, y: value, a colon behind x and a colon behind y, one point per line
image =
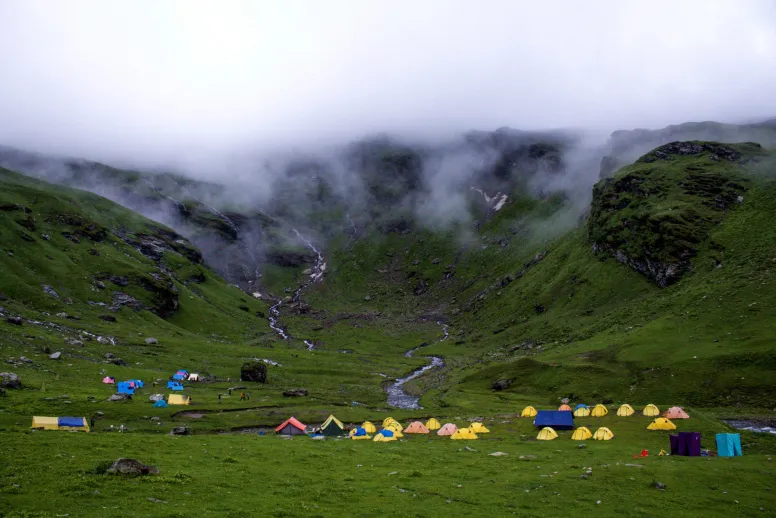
x: 71, y: 421
x: 386, y: 433
x: 124, y: 387
x: 179, y: 376
x: 558, y: 419
x: 729, y: 445
x: 173, y: 385
x: 581, y: 405
x: 177, y: 387
x: 161, y: 404
x: 359, y: 432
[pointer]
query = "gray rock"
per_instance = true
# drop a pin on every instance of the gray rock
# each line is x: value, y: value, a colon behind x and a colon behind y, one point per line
x: 24, y: 359
x: 17, y: 321
x: 658, y: 485
x: 55, y: 356
x: 154, y: 418
x: 48, y: 290
x: 120, y: 397
x: 62, y: 315
x: 100, y: 285
x: 10, y: 380
x: 436, y: 260
x: 151, y: 341
x: 295, y: 393
x: 156, y: 397
x: 180, y: 430
x: 99, y: 415
x: 131, y: 467
x: 501, y: 384
x: 109, y: 356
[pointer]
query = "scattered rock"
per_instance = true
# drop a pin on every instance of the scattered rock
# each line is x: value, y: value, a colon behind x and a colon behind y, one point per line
x: 131, y: 467
x: 155, y: 418
x: 180, y: 430
x: 99, y: 415
x: 48, y: 290
x: 658, y: 485
x: 469, y: 449
x: 24, y: 359
x: 583, y: 477
x: 100, y: 285
x: 74, y: 342
x: 254, y: 371
x: 582, y: 446
x: 120, y: 397
x: 109, y: 356
x: 108, y: 318
x: 498, y: 454
x: 119, y: 362
x: 156, y: 397
x: 295, y: 393
x: 118, y: 280
x: 55, y: 356
x: 10, y: 380
x: 501, y: 384
x: 527, y: 457
x: 156, y: 500
x: 17, y: 321
x: 45, y: 237
x: 151, y: 341
x: 436, y: 260
x: 62, y: 315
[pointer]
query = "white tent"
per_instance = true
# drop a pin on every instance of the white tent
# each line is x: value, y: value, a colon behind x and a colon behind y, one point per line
x: 193, y: 377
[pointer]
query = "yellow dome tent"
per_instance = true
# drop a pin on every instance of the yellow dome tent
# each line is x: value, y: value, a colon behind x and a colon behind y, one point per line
x: 478, y: 428
x: 433, y: 424
x: 389, y: 421
x: 581, y: 434
x: 599, y: 411
x: 384, y: 438
x: 603, y: 434
x: 547, y: 434
x: 651, y: 410
x: 625, y: 410
x: 359, y: 434
x: 581, y: 411
x: 661, y: 423
x: 528, y: 411
x: 396, y: 429
x: 463, y: 434
x: 369, y: 427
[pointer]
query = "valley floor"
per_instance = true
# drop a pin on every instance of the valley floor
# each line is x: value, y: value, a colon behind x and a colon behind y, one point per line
x: 55, y: 474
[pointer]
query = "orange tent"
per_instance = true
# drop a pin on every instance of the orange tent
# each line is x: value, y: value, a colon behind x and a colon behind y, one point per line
x: 291, y: 426
x: 416, y: 427
x: 676, y: 413
x: 564, y: 407
x: 448, y: 429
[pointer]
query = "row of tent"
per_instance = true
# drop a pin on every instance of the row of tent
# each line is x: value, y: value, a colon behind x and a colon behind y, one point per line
x: 580, y: 434
x: 391, y: 429
x: 599, y: 410
x: 73, y: 424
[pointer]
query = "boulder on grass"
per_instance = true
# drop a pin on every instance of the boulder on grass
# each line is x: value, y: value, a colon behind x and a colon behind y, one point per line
x: 120, y: 397
x: 131, y: 467
x: 253, y: 371
x: 10, y: 380
x: 181, y: 430
x: 295, y: 393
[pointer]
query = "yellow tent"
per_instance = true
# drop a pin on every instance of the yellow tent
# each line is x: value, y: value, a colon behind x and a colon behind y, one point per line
x: 528, y: 411
x: 463, y: 434
x: 603, y: 434
x: 395, y: 428
x: 582, y: 411
x: 661, y: 423
x: 625, y: 410
x: 382, y: 438
x: 478, y: 428
x: 178, y: 399
x: 390, y: 420
x: 433, y: 424
x: 651, y: 410
x: 599, y: 411
x: 547, y: 434
x: 369, y: 427
x: 581, y: 434
x: 45, y: 423
x: 352, y: 435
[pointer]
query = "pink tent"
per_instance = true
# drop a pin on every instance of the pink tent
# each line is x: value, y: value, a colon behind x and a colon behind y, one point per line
x: 108, y: 379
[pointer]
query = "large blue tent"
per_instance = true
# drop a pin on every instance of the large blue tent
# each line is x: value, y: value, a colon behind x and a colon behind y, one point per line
x: 729, y: 445
x: 558, y: 419
x: 125, y: 387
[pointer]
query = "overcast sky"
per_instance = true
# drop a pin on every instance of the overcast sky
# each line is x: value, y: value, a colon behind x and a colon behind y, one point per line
x: 153, y: 79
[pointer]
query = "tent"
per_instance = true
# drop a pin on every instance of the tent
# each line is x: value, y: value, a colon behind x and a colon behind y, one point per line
x: 687, y: 444
x: 174, y: 385
x: 332, y: 426
x: 124, y: 387
x: 193, y: 377
x: 391, y: 420
x: 603, y: 434
x: 729, y: 445
x: 581, y: 434
x: 625, y: 410
x: 463, y: 434
x: 178, y: 399
x: 560, y: 419
x: 447, y: 429
x: 581, y: 410
x: 478, y: 428
x: 359, y: 434
x: 395, y: 427
x: 433, y: 424
x: 109, y: 380
x: 651, y: 410
x: 161, y: 404
x: 369, y: 427
x: 676, y: 413
x: 599, y: 411
x: 384, y: 436
x: 291, y: 426
x: 528, y: 411
x: 416, y: 427
x: 45, y: 423
x: 564, y: 407
x: 547, y: 434
x: 137, y: 383
x: 661, y: 423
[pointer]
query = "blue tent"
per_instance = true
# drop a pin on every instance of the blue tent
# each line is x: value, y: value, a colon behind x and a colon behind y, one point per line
x: 76, y: 422
x: 386, y: 433
x: 558, y: 419
x: 581, y: 405
x: 124, y: 387
x: 138, y: 383
x: 177, y: 387
x: 174, y: 385
x: 729, y: 445
x: 161, y: 404
x: 178, y: 376
x: 359, y: 432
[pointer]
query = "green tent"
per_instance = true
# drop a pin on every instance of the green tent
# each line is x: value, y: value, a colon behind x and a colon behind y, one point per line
x: 332, y: 426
